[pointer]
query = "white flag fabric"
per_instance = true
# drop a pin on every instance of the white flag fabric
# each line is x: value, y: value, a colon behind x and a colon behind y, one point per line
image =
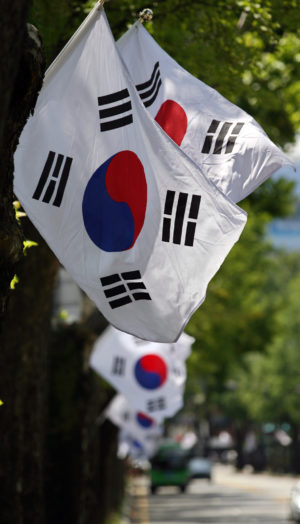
x: 150, y: 375
x: 129, y: 215
x: 129, y: 446
x: 146, y: 430
x: 232, y: 149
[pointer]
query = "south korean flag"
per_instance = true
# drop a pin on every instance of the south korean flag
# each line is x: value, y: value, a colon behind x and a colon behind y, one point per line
x: 232, y: 149
x: 129, y: 446
x: 133, y: 219
x: 142, y: 428
x: 150, y: 375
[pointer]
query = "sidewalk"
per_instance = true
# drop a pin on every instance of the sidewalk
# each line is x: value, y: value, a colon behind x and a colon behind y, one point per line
x: 136, y: 501
x: 276, y: 486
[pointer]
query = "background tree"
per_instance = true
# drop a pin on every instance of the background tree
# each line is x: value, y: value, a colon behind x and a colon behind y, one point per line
x: 267, y: 383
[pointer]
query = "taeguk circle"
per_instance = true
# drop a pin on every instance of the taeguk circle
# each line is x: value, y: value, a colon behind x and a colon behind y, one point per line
x: 150, y: 371
x: 114, y: 202
x: 172, y: 118
x: 144, y: 420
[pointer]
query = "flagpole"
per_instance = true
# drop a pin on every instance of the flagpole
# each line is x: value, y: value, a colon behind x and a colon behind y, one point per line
x: 146, y: 15
x: 73, y: 40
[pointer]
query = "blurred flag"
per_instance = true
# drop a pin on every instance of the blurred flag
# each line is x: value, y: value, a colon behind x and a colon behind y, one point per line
x: 129, y: 446
x: 129, y: 215
x: 150, y: 375
x: 232, y: 149
x: 142, y: 428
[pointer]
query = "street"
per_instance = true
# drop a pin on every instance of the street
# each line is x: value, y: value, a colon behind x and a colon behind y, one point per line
x: 231, y: 498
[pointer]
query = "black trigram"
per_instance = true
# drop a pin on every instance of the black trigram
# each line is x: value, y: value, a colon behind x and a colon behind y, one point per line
x: 177, y: 371
x: 115, y: 105
x: 148, y: 91
x: 126, y: 416
x: 118, y: 366
x: 217, y: 140
x: 54, y: 178
x: 156, y: 404
x: 180, y: 220
x: 123, y: 288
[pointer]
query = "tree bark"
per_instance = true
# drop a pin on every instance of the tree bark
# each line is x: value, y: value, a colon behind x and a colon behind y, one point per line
x: 22, y: 69
x: 24, y: 358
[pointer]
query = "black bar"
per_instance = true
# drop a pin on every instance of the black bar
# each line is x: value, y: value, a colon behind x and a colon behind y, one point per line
x: 150, y: 406
x: 141, y: 296
x: 114, y: 124
x: 120, y: 302
x: 131, y: 275
x: 195, y: 204
x: 115, y: 110
x: 161, y: 403
x: 180, y: 211
x: 230, y: 144
x: 50, y: 191
x: 237, y: 128
x: 57, y: 166
x: 150, y: 102
x: 113, y: 291
x: 111, y: 279
x: 148, y: 93
x: 113, y: 97
x: 166, y: 229
x: 43, y: 178
x: 207, y: 144
x: 213, y: 126
x: 190, y: 233
x: 169, y: 202
x: 118, y: 366
x: 63, y: 182
x: 140, y: 87
x: 221, y: 136
x: 136, y: 285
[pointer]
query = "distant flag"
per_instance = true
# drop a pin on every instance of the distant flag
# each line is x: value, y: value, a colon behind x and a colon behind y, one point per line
x: 130, y: 446
x: 129, y: 215
x: 232, y: 149
x: 150, y: 375
x: 142, y: 428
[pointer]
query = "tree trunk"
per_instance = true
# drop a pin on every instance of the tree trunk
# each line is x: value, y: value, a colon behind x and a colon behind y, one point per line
x: 24, y: 345
x: 21, y: 70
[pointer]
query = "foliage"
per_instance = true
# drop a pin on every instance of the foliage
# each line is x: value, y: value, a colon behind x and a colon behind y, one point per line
x: 265, y: 385
x: 238, y: 313
x: 248, y: 51
x: 14, y: 282
x: 56, y: 21
x: 269, y: 384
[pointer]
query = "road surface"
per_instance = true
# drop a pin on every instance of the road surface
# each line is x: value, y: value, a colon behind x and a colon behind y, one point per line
x: 232, y: 498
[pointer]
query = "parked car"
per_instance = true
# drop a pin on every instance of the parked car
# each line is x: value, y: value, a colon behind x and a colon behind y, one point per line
x: 169, y: 467
x: 295, y: 503
x: 200, y: 468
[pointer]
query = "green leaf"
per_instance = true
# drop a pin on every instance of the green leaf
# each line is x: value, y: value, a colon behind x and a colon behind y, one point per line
x: 28, y: 244
x: 13, y: 282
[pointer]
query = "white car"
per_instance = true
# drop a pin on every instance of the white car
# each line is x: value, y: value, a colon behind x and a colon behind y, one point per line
x: 295, y: 503
x: 200, y: 468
